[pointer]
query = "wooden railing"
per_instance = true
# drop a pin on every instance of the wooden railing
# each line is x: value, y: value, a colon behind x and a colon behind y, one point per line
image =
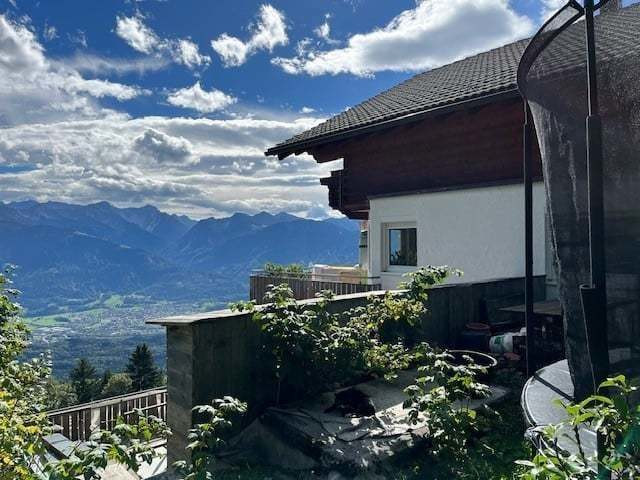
x: 305, y: 286
x: 79, y: 421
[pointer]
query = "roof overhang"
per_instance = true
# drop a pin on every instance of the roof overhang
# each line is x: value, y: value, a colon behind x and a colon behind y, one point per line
x: 284, y: 150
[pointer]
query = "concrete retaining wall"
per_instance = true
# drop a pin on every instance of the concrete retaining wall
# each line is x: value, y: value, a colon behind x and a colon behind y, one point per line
x: 214, y: 354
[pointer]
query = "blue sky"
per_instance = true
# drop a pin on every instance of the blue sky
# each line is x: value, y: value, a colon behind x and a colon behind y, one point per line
x: 172, y: 102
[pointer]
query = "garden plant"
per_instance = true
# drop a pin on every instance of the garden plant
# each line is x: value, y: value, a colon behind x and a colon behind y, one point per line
x: 313, y: 349
x: 615, y: 414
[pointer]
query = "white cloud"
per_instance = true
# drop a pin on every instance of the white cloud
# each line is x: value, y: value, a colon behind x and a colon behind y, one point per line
x: 187, y: 53
x: 164, y: 148
x: 195, y: 166
x: 139, y: 37
x: 32, y: 87
x: 95, y: 64
x: 549, y: 7
x: 57, y: 142
x: 79, y: 38
x: 50, y: 32
x: 323, y: 31
x: 143, y: 39
x: 307, y: 110
x: 201, y: 100
x: 20, y: 49
x: 232, y: 50
x: 269, y: 32
x: 434, y: 33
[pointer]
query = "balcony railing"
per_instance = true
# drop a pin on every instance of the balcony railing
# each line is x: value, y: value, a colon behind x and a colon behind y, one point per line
x: 79, y: 421
x: 308, y: 283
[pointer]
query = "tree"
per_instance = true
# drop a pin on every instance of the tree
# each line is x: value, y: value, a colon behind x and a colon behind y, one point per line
x: 142, y: 370
x: 84, y: 381
x: 118, y: 384
x: 105, y: 379
x: 60, y: 394
x: 23, y: 422
x: 24, y: 390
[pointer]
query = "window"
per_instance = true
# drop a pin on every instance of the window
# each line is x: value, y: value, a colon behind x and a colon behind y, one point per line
x: 401, y: 246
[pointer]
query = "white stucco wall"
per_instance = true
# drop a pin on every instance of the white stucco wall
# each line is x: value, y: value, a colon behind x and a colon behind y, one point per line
x: 479, y: 231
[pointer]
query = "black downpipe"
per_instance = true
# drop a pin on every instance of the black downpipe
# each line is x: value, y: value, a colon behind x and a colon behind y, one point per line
x: 528, y: 244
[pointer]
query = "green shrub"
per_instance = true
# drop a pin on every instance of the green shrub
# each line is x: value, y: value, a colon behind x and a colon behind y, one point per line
x: 295, y: 270
x: 117, y: 384
x: 314, y: 350
x: 23, y: 386
x: 125, y: 444
x: 613, y: 415
x: 441, y: 396
x: 207, y: 437
x: 24, y: 395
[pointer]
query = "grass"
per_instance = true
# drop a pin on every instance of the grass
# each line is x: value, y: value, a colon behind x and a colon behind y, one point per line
x: 46, y: 320
x: 57, y: 319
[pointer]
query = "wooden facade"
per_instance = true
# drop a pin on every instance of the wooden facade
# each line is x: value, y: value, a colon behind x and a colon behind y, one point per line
x: 473, y: 146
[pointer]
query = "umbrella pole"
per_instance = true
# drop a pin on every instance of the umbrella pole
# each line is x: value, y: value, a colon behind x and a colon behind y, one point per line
x: 528, y: 244
x: 594, y: 296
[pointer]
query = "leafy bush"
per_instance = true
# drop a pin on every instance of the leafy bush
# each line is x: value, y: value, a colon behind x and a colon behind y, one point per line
x: 441, y: 396
x: 612, y: 414
x: 125, y: 444
x: 60, y: 395
x: 23, y: 386
x: 117, y: 384
x: 206, y: 438
x: 295, y: 270
x: 314, y: 350
x: 24, y: 390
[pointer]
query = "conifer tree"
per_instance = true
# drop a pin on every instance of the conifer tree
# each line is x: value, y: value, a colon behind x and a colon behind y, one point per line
x: 84, y: 381
x: 142, y: 370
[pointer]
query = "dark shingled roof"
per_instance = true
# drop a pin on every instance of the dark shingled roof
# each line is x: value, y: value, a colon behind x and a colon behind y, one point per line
x: 473, y: 77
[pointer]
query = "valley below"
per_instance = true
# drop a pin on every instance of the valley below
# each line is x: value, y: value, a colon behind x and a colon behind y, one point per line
x: 89, y: 276
x: 106, y: 333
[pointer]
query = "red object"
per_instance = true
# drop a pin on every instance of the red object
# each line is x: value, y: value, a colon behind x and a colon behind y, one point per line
x: 512, y: 357
x: 478, y: 327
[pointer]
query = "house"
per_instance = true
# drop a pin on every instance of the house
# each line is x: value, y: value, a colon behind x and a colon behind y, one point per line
x: 433, y: 168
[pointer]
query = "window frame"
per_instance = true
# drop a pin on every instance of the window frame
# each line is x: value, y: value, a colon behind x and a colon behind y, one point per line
x: 386, y: 266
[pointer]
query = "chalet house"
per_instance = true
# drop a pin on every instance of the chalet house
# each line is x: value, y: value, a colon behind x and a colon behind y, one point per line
x: 433, y: 168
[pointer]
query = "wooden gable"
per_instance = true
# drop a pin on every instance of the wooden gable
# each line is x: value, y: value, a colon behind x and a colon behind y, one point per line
x: 481, y: 145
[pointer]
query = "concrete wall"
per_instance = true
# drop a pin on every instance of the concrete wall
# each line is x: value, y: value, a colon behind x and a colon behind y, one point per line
x: 477, y: 230
x: 214, y: 354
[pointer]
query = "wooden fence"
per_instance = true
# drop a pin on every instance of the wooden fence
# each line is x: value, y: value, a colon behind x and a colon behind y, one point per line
x: 79, y: 421
x: 305, y: 286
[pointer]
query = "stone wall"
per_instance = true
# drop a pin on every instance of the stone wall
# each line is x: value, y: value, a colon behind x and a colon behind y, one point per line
x: 214, y: 354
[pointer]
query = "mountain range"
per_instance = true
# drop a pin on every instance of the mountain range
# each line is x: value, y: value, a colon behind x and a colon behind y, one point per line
x: 67, y: 256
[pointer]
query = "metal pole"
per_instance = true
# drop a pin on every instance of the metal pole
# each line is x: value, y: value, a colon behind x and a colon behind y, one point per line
x: 594, y: 296
x: 528, y: 244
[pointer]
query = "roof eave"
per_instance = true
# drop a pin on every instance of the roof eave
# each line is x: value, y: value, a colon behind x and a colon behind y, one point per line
x: 283, y: 151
